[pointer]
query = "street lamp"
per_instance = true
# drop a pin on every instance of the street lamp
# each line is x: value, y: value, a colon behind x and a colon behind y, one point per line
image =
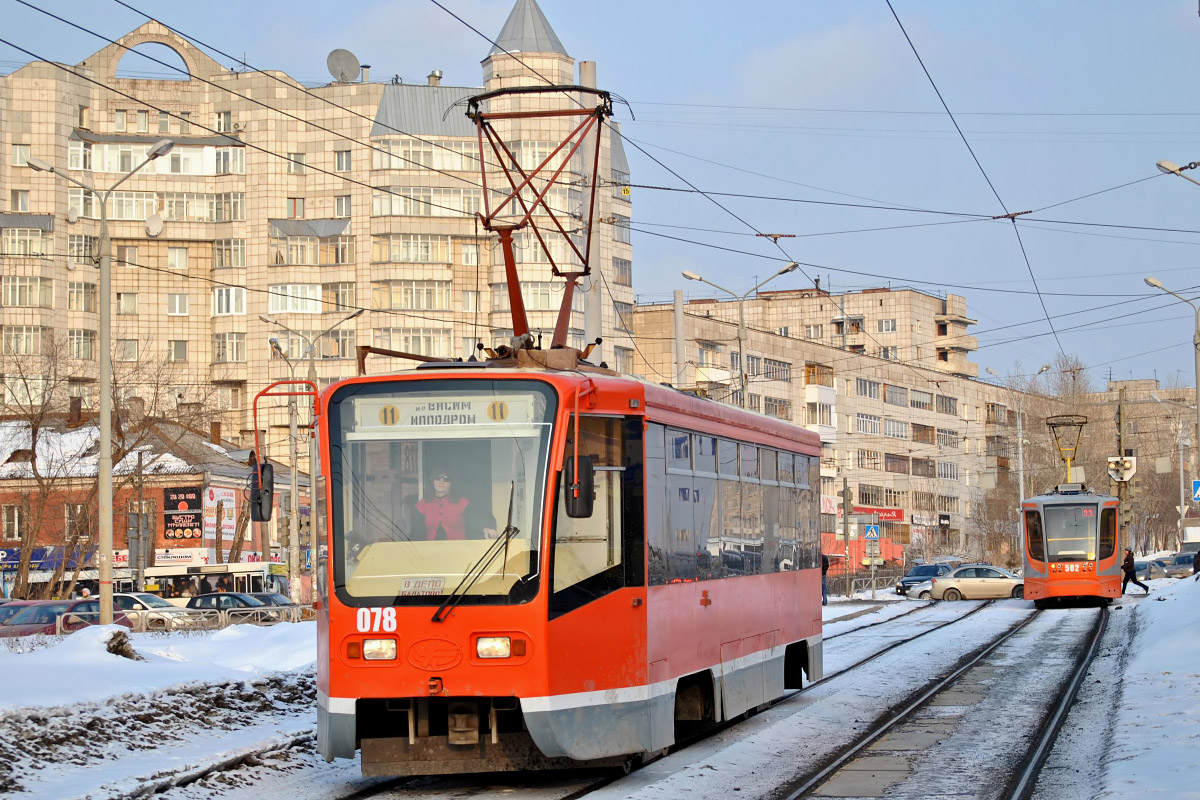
x: 1157, y: 284
x: 1171, y: 168
x: 104, y: 468
x: 293, y: 436
x: 741, y: 332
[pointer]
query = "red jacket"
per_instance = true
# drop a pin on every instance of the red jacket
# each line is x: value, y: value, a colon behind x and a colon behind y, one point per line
x: 446, y: 514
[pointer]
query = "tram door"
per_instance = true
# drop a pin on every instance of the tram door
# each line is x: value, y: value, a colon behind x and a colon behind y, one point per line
x: 597, y: 577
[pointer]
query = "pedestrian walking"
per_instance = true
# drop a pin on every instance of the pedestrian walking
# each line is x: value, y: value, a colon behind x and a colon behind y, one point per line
x: 824, y: 588
x: 1196, y: 563
x: 1130, y: 570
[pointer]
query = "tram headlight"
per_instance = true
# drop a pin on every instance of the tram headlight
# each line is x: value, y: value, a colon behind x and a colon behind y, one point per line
x: 493, y: 647
x: 379, y: 649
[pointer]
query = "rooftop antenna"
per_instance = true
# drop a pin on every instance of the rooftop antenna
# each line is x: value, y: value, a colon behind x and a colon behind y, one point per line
x: 343, y: 65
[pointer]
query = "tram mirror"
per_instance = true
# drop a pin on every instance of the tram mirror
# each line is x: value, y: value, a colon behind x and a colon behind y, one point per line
x: 262, y: 492
x: 579, y: 503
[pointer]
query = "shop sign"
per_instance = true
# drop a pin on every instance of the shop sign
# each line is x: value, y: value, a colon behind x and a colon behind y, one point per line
x: 884, y: 514
x: 182, y: 509
x: 214, y: 495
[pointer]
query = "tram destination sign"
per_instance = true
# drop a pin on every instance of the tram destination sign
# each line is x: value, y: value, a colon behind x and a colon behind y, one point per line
x: 442, y: 412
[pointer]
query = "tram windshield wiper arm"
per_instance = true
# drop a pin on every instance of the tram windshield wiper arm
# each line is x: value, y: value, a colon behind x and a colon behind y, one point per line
x: 499, y: 545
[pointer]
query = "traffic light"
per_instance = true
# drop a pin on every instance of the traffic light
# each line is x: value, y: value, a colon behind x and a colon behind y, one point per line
x: 1122, y: 468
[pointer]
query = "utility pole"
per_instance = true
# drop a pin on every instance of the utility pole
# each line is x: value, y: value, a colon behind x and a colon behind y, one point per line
x: 846, y: 510
x: 143, y: 540
x: 294, y: 525
x: 1123, y: 486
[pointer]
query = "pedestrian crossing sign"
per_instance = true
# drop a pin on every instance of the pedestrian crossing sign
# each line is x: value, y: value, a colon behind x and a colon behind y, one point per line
x: 1196, y: 490
x: 872, y: 533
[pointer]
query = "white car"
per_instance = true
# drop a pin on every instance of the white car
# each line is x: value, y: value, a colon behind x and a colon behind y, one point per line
x: 920, y: 591
x: 149, y: 612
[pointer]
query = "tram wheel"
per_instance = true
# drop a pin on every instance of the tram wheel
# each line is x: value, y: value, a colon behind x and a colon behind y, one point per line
x: 952, y: 594
x: 1018, y: 592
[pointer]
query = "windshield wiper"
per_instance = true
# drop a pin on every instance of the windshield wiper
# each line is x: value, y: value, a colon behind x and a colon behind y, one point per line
x: 500, y: 545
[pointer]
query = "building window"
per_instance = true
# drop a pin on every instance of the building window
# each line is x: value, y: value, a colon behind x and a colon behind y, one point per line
x: 624, y: 311
x: 420, y: 295
x: 896, y: 463
x: 867, y: 388
x: 295, y: 208
x: 18, y: 200
x: 755, y: 402
x: 889, y: 353
x: 119, y: 121
x: 895, y: 395
x: 947, y: 470
x: 21, y: 340
x: 229, y: 300
x: 164, y: 122
x: 177, y: 258
x: 337, y: 296
x: 143, y: 121
x: 341, y: 205
x: 229, y: 397
x: 14, y: 523
x: 621, y: 229
x: 295, y: 298
x: 470, y: 255
x: 28, y: 391
x: 470, y: 301
x: 229, y: 253
x: 25, y: 242
x: 231, y: 161
x: 887, y: 326
x: 177, y: 350
x: 178, y: 305
x: 776, y: 407
x: 818, y: 375
x: 622, y: 272
x: 229, y: 348
x: 921, y: 400
x: 224, y: 122
x: 820, y: 414
x: 81, y: 296
x: 413, y: 248
x: 947, y: 405
x: 126, y: 350
x: 26, y: 292
x: 895, y: 429
x: 81, y: 249
x: 867, y: 423
x: 20, y: 155
x: 419, y: 341
x: 813, y: 331
x: 295, y: 163
x: 947, y: 438
x: 341, y: 160
x: 924, y: 434
x: 126, y: 302
x: 185, y: 122
x: 777, y: 370
x: 623, y: 360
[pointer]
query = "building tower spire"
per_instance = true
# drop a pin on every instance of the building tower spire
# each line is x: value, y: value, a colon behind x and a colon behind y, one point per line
x: 527, y: 31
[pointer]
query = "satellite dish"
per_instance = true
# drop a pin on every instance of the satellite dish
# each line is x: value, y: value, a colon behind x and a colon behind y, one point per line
x: 343, y: 65
x: 154, y: 225
x: 72, y: 215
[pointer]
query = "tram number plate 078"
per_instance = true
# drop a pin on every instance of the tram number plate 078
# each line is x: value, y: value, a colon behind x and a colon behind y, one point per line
x: 375, y: 620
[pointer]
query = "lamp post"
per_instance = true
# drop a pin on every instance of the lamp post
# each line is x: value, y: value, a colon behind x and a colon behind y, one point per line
x: 310, y: 350
x: 104, y: 467
x: 741, y: 332
x: 1171, y: 168
x: 1157, y: 284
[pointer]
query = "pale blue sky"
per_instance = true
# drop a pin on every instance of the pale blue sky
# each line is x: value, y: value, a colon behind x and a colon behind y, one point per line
x: 1057, y: 99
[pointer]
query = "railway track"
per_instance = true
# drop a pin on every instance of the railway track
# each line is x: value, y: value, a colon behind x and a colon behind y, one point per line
x: 964, y: 736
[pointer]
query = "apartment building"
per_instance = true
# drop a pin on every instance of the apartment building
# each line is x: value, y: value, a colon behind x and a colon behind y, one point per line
x: 903, y: 424
x: 302, y: 203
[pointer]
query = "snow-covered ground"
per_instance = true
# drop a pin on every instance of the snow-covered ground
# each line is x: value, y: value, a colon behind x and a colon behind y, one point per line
x: 72, y: 711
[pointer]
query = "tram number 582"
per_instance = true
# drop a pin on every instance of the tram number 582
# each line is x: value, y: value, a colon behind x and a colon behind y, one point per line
x: 374, y: 620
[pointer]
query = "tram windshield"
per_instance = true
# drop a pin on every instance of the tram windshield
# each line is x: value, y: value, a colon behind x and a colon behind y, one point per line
x: 437, y: 488
x: 1070, y: 532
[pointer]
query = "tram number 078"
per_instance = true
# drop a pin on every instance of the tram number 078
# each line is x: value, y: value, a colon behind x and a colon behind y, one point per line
x: 374, y: 620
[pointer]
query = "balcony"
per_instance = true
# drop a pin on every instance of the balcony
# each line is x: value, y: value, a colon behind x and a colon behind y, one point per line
x: 713, y: 376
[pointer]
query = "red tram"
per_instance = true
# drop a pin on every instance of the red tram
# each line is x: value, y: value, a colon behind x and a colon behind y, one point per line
x: 572, y: 597
x: 1071, y: 551
x: 532, y: 561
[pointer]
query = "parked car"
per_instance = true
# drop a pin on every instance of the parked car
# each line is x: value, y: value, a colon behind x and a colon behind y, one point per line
x: 1149, y: 570
x: 272, y: 598
x: 245, y: 608
x: 919, y: 574
x: 977, y: 582
x: 11, y: 607
x: 1180, y: 565
x: 42, y: 616
x: 920, y: 591
x: 150, y: 612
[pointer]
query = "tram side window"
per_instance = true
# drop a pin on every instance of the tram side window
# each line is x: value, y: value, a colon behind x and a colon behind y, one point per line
x: 596, y: 555
x: 320, y: 550
x: 1033, y: 536
x: 1108, y: 532
x: 657, y: 532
